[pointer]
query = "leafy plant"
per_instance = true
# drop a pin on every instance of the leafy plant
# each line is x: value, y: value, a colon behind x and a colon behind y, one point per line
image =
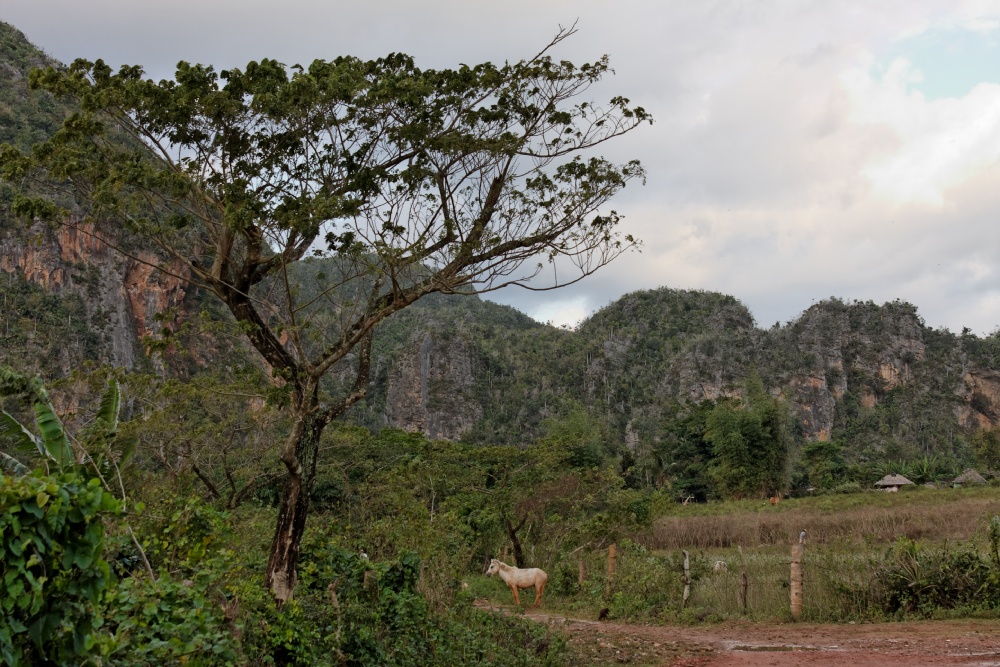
x: 54, y: 575
x: 52, y: 442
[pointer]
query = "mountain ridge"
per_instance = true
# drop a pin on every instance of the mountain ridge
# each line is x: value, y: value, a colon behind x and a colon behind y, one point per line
x: 874, y: 377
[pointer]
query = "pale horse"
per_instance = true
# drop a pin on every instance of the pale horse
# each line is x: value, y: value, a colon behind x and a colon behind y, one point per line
x: 516, y: 578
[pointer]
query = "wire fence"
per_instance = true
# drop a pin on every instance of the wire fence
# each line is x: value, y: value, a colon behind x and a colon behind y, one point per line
x: 837, y: 585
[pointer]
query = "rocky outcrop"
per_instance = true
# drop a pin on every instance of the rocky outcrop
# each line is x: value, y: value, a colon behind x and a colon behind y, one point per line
x: 430, y: 388
x: 123, y: 295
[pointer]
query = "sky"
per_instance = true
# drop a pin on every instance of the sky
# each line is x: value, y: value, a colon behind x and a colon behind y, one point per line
x: 802, y: 149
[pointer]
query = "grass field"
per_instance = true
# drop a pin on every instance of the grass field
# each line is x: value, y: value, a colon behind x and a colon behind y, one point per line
x: 860, y: 518
x: 858, y: 547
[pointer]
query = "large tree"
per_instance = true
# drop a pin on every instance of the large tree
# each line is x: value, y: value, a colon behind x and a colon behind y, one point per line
x: 316, y: 201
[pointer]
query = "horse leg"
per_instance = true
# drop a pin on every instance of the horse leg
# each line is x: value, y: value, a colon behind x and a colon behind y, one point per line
x: 517, y: 600
x: 539, y: 589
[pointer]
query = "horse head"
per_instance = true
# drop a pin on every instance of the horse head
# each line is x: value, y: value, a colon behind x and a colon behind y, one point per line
x: 493, y: 568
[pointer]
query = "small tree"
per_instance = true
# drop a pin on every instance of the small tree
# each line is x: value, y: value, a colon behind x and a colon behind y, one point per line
x: 404, y: 181
x: 750, y: 444
x: 51, y: 532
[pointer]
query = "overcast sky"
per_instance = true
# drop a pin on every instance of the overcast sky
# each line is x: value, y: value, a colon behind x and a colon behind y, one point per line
x: 801, y: 150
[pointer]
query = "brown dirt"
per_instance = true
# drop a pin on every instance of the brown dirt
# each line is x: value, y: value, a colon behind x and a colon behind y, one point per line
x: 913, y: 644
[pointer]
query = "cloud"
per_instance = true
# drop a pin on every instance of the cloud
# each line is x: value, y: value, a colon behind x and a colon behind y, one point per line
x: 797, y: 155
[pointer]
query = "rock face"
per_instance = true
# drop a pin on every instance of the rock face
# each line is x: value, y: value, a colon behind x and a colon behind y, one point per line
x: 122, y: 296
x: 430, y: 387
x: 877, y: 346
x: 870, y: 374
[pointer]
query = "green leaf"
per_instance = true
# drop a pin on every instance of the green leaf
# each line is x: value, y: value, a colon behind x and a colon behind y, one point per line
x: 110, y: 406
x: 53, y: 435
x: 22, y: 437
x: 12, y: 466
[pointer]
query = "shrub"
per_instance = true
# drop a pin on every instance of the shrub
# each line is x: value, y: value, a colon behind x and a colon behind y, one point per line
x: 54, y: 576
x: 167, y: 622
x: 352, y: 611
x: 924, y: 580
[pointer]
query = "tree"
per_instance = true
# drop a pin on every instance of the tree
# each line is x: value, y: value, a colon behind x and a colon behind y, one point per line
x: 824, y: 462
x: 986, y: 446
x: 315, y: 202
x: 750, y: 444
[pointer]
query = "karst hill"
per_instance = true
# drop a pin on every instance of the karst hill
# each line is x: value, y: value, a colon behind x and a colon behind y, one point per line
x: 874, y: 377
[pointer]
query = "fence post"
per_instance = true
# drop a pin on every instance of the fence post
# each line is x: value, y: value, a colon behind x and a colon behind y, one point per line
x: 744, y: 581
x: 796, y: 581
x: 611, y: 567
x: 687, y: 580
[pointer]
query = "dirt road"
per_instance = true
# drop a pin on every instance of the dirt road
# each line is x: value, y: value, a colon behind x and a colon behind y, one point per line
x: 974, y: 643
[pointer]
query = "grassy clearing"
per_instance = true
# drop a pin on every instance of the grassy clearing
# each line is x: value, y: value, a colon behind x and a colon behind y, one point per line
x: 864, y: 518
x: 861, y: 551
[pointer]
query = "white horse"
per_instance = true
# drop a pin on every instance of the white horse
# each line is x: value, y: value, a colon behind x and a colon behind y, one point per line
x: 516, y: 578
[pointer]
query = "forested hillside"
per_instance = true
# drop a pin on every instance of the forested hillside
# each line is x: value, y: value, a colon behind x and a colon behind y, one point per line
x: 149, y: 447
x: 872, y: 380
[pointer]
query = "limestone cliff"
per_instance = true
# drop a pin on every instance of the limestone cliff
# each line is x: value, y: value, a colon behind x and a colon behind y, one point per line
x: 122, y: 295
x: 430, y: 387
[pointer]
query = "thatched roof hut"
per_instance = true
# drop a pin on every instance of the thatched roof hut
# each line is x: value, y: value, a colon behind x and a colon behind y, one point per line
x: 970, y: 476
x: 892, y: 481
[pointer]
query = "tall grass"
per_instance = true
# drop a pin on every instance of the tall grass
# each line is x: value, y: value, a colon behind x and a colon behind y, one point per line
x: 867, y: 557
x: 931, y: 515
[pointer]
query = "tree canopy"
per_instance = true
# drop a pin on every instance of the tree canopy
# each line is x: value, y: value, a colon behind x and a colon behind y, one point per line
x: 384, y: 181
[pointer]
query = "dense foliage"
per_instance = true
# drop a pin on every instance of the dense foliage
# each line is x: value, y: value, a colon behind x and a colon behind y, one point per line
x: 54, y: 574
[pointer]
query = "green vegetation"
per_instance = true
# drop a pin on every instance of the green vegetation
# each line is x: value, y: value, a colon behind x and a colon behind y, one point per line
x: 143, y: 542
x: 428, y: 514
x: 55, y: 577
x: 408, y: 182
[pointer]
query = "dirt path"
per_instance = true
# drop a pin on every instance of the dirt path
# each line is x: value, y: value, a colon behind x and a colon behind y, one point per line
x: 968, y: 642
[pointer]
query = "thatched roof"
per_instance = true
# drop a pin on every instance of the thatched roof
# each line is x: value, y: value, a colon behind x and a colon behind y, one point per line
x: 892, y: 480
x: 970, y: 476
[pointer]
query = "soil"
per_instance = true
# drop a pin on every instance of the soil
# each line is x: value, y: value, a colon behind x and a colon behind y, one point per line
x: 913, y: 644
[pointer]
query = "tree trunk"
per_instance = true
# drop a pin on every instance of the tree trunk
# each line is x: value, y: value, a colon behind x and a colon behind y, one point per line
x: 514, y: 541
x: 282, y: 564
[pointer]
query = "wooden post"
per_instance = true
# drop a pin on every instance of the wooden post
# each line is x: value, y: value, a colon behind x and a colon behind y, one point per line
x: 687, y: 580
x: 796, y: 582
x: 611, y: 567
x: 582, y: 579
x: 744, y: 581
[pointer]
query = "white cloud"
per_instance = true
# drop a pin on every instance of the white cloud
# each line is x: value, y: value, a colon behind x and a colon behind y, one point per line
x: 562, y: 312
x: 782, y: 168
x: 941, y: 142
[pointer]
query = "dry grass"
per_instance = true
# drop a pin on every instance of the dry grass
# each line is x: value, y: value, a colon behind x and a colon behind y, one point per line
x: 925, y: 515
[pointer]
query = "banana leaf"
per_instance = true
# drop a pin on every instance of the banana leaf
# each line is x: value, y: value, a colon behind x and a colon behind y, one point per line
x: 53, y: 435
x: 110, y: 407
x: 12, y: 466
x: 22, y: 438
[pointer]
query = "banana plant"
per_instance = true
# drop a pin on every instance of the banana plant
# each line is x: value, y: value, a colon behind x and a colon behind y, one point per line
x: 51, y: 441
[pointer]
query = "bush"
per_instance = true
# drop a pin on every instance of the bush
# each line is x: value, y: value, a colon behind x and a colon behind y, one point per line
x: 54, y: 576
x: 925, y: 580
x: 166, y: 622
x: 646, y: 585
x: 352, y: 611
